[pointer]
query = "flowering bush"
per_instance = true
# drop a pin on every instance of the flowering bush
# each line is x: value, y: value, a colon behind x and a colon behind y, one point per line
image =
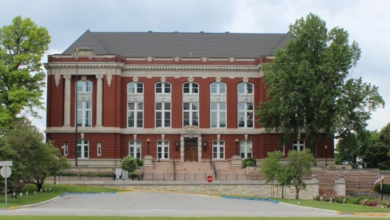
x: 367, y: 201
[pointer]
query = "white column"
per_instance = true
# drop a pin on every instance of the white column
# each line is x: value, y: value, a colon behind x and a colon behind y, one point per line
x: 99, y: 100
x: 67, y: 101
x: 200, y: 149
x: 181, y: 148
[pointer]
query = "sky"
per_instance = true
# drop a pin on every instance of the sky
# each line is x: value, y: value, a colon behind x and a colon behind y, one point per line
x: 367, y: 22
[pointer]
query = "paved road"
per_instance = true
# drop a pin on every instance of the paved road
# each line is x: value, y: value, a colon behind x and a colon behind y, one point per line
x: 139, y: 203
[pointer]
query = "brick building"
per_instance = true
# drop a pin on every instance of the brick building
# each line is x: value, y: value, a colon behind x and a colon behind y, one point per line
x: 183, y: 96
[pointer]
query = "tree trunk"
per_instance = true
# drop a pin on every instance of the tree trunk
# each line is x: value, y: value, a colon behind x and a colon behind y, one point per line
x: 296, y: 193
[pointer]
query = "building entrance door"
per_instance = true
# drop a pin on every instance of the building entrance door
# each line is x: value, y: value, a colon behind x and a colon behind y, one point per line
x: 191, y: 150
x: 190, y: 155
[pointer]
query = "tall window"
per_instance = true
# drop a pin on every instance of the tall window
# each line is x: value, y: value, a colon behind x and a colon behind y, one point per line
x: 190, y: 104
x: 163, y: 105
x: 245, y: 149
x: 298, y: 145
x: 218, y: 149
x: 163, y: 149
x: 135, y: 105
x: 135, y: 149
x: 218, y: 105
x: 99, y: 149
x: 82, y: 148
x: 84, y: 103
x: 245, y: 105
x: 66, y: 148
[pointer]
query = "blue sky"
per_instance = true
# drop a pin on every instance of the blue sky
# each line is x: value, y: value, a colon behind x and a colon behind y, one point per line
x: 368, y: 23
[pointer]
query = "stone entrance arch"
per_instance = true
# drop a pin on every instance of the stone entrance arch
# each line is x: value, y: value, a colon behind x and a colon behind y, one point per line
x: 190, y: 132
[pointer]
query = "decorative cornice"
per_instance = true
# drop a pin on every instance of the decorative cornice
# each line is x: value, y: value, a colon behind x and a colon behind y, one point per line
x: 191, y: 67
x: 83, y: 65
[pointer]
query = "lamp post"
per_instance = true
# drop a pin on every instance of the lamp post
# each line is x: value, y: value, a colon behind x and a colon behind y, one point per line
x: 177, y: 143
x: 237, y: 141
x: 75, y: 132
x: 148, y: 142
x: 326, y: 155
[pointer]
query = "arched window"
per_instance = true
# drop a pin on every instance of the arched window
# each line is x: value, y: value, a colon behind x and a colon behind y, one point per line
x: 190, y: 104
x: 84, y: 103
x: 218, y: 105
x: 135, y: 104
x: 245, y: 105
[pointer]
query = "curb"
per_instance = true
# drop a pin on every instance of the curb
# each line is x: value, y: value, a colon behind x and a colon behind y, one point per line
x: 254, y: 199
x: 371, y: 214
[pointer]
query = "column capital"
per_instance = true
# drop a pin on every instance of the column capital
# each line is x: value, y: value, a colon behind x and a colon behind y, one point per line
x: 99, y: 76
x: 67, y: 76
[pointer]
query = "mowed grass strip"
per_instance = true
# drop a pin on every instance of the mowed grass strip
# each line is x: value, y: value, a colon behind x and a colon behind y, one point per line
x: 347, y: 208
x: 164, y: 218
x: 30, y: 195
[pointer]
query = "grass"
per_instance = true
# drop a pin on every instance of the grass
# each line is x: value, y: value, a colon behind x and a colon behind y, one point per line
x: 165, y: 218
x: 335, y: 206
x: 49, y: 191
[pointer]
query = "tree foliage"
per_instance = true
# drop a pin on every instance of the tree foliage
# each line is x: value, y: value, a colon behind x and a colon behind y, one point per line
x: 308, y: 85
x: 33, y: 159
x: 293, y: 173
x: 129, y: 164
x: 353, y: 147
x: 376, y: 155
x: 22, y: 45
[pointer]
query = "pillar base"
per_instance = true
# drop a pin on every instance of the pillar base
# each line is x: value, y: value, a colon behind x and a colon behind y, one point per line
x: 236, y: 162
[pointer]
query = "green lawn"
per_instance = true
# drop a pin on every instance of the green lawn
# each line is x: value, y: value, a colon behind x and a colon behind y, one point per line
x: 162, y: 218
x: 31, y: 196
x: 335, y: 206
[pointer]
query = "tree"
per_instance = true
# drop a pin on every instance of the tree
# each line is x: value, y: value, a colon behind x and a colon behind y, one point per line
x: 22, y: 44
x: 293, y: 173
x: 33, y: 159
x: 129, y: 164
x: 376, y: 155
x: 308, y: 85
x: 352, y: 148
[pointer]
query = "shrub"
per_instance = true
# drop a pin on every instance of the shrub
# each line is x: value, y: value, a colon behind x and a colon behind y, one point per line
x: 248, y: 162
x: 386, y: 188
x: 140, y: 162
x: 129, y: 164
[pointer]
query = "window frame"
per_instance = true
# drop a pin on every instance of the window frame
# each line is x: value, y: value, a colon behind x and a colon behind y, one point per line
x: 66, y: 148
x: 246, y: 149
x: 135, y: 148
x: 84, y: 107
x: 164, y: 146
x: 83, y: 146
x: 99, y: 149
x: 298, y: 144
x: 217, y: 144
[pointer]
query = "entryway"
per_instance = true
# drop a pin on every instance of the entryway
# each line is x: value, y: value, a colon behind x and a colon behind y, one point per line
x: 191, y: 150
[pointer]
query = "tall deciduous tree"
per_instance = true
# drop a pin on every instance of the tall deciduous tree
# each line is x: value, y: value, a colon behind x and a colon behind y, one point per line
x: 22, y: 45
x: 33, y: 159
x: 293, y: 173
x: 376, y: 155
x: 353, y: 147
x: 308, y: 85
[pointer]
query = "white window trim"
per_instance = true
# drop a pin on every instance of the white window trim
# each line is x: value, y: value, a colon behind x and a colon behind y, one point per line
x: 298, y: 145
x: 99, y: 149
x: 137, y: 148
x: 247, y: 145
x: 163, y: 144
x: 82, y: 149
x: 136, y: 110
x: 245, y: 111
x: 191, y: 88
x: 66, y: 149
x: 163, y: 111
x: 219, y: 146
x: 191, y: 112
x: 83, y: 109
x: 219, y: 112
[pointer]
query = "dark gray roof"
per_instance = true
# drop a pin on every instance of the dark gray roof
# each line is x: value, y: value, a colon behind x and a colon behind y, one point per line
x: 163, y: 44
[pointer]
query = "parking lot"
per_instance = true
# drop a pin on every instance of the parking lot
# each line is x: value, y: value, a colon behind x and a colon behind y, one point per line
x: 141, y: 203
